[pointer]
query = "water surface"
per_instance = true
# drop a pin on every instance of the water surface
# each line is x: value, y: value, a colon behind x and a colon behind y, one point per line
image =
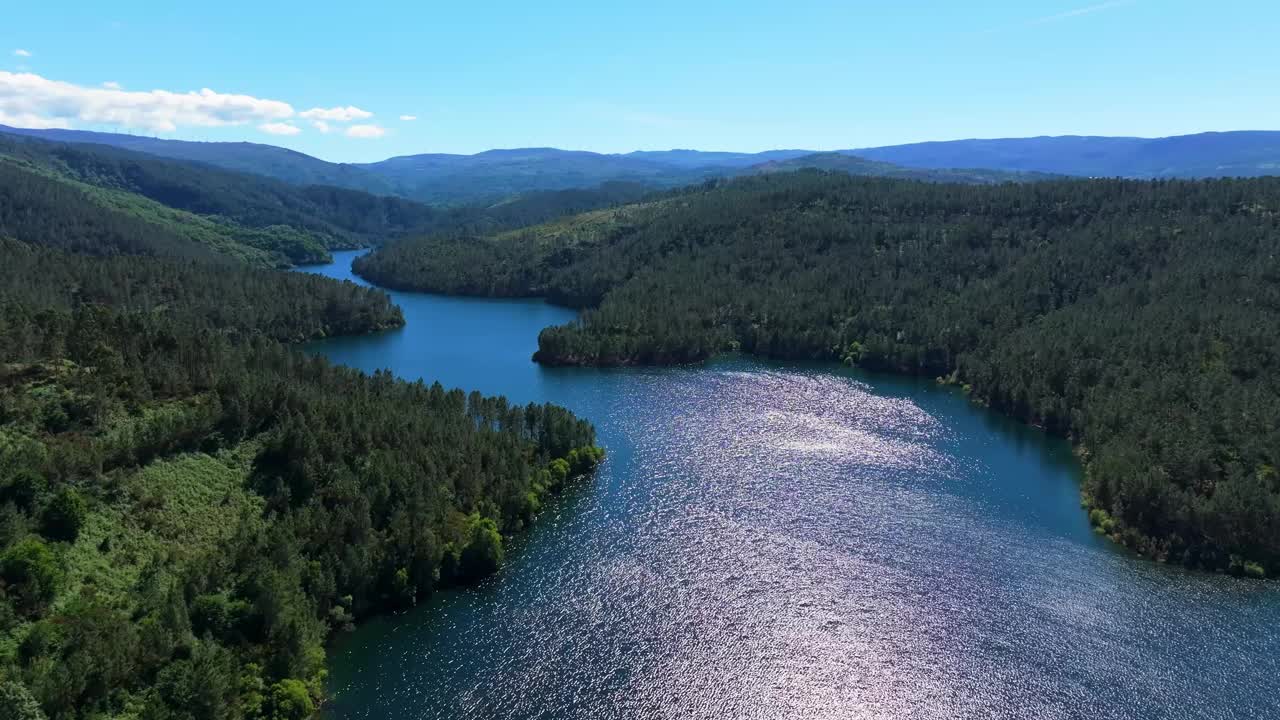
x: 793, y: 541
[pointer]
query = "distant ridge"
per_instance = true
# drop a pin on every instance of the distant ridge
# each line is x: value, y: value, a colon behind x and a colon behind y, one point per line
x: 270, y: 160
x: 699, y: 159
x: 857, y: 165
x: 1246, y: 153
x: 490, y: 176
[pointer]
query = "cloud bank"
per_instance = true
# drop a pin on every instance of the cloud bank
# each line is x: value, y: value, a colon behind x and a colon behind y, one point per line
x: 29, y: 95
x: 30, y: 100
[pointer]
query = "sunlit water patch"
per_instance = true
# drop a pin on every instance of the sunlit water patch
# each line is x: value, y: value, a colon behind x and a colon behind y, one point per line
x: 772, y: 541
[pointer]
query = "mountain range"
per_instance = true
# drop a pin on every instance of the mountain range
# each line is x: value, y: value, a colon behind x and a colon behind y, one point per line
x: 493, y: 175
x: 1211, y: 154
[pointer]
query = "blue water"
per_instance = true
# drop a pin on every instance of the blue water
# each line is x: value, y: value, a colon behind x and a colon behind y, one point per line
x: 793, y: 541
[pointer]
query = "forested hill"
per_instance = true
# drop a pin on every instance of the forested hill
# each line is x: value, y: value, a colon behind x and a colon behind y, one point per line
x: 266, y: 160
x: 1138, y: 317
x: 189, y: 507
x: 218, y: 207
x: 1202, y: 155
x: 204, y: 210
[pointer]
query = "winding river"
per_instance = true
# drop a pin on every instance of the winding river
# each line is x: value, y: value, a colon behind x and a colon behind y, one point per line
x: 793, y: 541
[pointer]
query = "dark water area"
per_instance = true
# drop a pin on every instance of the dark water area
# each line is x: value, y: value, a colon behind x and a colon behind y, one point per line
x: 774, y: 541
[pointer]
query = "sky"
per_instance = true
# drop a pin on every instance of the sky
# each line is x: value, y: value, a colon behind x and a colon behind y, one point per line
x: 358, y: 82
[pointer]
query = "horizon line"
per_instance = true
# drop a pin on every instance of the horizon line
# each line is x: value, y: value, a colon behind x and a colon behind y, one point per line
x: 3, y: 128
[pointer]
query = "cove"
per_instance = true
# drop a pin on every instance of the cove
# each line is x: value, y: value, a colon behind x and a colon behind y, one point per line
x: 775, y: 540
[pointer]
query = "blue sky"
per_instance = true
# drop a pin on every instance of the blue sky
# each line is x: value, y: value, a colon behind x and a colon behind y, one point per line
x: 612, y: 77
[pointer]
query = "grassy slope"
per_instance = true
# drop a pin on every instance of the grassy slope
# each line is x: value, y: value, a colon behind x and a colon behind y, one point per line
x: 161, y: 516
x: 164, y: 515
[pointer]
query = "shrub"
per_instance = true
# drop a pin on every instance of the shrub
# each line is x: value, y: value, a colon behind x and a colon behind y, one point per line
x: 23, y: 489
x: 405, y: 592
x: 218, y: 615
x: 197, y: 688
x: 64, y: 516
x: 16, y: 703
x: 1102, y: 521
x: 482, y: 554
x: 585, y: 459
x: 289, y: 700
x: 559, y: 472
x: 33, y: 569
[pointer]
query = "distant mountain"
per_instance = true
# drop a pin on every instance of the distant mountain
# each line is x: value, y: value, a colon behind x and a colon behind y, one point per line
x: 855, y: 165
x: 492, y: 176
x: 695, y: 159
x: 1243, y: 154
x: 450, y: 179
x: 435, y: 178
x: 275, y: 162
x: 1213, y: 154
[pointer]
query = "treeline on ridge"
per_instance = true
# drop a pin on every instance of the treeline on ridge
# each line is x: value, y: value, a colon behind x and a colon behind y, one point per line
x: 252, y: 218
x: 1140, y: 318
x: 299, y: 223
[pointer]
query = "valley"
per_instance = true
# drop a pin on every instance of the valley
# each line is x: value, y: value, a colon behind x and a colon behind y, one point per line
x: 812, y: 416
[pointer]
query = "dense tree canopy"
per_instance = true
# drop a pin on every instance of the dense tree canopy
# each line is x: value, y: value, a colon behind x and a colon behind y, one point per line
x: 238, y: 495
x: 300, y: 222
x: 189, y: 507
x: 1138, y: 317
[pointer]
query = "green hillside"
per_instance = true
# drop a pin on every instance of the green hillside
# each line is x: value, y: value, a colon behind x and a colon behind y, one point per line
x: 243, y: 157
x: 298, y: 224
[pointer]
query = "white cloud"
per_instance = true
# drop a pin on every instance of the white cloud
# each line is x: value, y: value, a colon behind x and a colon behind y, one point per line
x: 22, y: 53
x: 27, y: 120
x: 30, y: 100
x: 26, y: 94
x: 336, y: 114
x: 366, y: 131
x: 407, y: 118
x: 280, y: 128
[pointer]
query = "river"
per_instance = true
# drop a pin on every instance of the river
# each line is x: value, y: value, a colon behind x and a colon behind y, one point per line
x: 779, y: 541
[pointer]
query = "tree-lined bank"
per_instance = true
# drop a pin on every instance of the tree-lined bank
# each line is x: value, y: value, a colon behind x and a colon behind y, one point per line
x: 1137, y: 317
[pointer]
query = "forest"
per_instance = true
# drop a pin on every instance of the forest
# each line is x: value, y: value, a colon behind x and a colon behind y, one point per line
x: 255, y: 219
x: 1136, y: 317
x: 189, y: 506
